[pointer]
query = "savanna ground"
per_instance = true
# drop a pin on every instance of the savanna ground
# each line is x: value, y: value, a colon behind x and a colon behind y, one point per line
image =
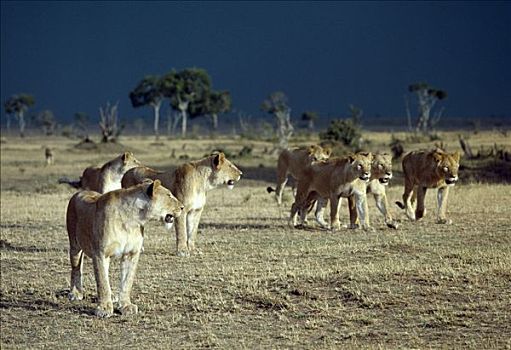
x: 259, y: 283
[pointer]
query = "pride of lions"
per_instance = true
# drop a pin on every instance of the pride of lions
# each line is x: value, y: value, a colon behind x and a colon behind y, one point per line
x: 106, y: 217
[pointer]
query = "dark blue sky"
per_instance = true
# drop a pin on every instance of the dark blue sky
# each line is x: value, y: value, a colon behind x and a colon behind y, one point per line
x: 75, y: 56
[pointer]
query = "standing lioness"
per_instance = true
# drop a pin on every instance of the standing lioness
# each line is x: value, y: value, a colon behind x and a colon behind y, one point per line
x: 107, y: 177
x: 107, y: 226
x: 190, y: 182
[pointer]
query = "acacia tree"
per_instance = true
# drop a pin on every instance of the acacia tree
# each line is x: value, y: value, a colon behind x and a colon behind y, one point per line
x: 46, y: 121
x: 215, y: 103
x: 187, y: 90
x: 276, y: 104
x: 17, y: 105
x: 427, y: 97
x: 109, y: 123
x: 310, y: 117
x: 148, y: 92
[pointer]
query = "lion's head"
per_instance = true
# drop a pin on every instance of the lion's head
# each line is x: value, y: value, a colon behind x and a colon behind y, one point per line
x: 224, y: 172
x: 447, y: 165
x: 127, y: 161
x: 381, y: 168
x: 318, y: 153
x: 163, y: 204
x: 360, y: 163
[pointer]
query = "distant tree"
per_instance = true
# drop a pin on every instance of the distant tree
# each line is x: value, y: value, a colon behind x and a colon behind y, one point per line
x: 216, y: 102
x: 109, y: 123
x: 148, y: 92
x: 139, y: 124
x: 17, y: 105
x: 277, y: 105
x: 310, y: 117
x: 82, y: 124
x: 46, y: 121
x: 346, y: 131
x: 187, y: 91
x: 356, y: 114
x: 427, y: 97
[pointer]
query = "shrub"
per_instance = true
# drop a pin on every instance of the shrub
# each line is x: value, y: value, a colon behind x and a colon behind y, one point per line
x: 346, y: 131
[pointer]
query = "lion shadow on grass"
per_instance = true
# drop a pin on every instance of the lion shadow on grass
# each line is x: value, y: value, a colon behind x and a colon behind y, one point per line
x: 6, y: 246
x: 35, y: 304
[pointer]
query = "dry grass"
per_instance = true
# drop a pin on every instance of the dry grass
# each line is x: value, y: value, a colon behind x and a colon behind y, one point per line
x: 259, y: 284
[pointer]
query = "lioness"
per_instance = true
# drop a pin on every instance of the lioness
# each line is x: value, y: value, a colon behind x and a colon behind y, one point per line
x: 294, y: 162
x: 108, y: 177
x: 107, y: 226
x: 428, y: 169
x: 381, y: 173
x: 189, y: 183
x: 333, y: 179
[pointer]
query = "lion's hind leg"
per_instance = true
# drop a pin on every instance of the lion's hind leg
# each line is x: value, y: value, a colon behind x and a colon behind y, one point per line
x: 76, y: 258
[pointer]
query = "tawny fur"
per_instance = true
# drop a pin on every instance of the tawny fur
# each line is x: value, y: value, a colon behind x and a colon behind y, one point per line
x: 105, y: 178
x: 333, y: 179
x: 428, y: 169
x: 381, y: 173
x: 189, y: 183
x: 103, y: 226
x: 294, y: 162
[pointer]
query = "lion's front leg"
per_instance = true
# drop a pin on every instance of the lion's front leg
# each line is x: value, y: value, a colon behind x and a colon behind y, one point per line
x: 192, y: 226
x: 442, y: 194
x: 420, y: 211
x: 382, y: 205
x: 320, y: 209
x: 128, y: 269
x: 362, y: 210
x: 352, y: 208
x: 407, y: 199
x: 335, y: 223
x: 101, y: 266
x: 181, y: 235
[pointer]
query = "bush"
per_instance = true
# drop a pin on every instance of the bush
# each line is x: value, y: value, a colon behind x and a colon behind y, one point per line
x: 346, y: 131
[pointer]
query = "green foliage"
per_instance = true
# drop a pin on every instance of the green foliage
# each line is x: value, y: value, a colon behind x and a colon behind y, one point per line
x: 18, y: 103
x: 147, y: 92
x: 346, y: 131
x: 190, y: 86
x: 276, y: 102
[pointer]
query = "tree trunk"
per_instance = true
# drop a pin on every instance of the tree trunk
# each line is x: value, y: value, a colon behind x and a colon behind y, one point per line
x: 183, y: 123
x: 311, y: 124
x: 156, y: 108
x: 214, y: 118
x: 21, y: 122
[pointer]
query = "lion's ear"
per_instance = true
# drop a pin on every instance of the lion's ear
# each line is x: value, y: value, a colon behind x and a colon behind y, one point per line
x: 457, y: 156
x: 218, y: 160
x: 152, y: 187
x: 437, y: 156
x: 126, y: 156
x: 351, y: 158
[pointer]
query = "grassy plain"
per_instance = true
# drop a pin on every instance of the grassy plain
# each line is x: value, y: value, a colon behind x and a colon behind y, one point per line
x: 259, y: 283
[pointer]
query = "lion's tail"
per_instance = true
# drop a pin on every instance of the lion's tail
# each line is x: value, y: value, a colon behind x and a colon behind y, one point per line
x: 75, y: 184
x: 270, y: 189
x: 400, y: 205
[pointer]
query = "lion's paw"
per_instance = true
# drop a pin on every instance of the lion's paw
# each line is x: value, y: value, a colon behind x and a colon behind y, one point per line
x: 105, y: 310
x: 444, y: 221
x: 75, y: 295
x: 392, y: 224
x: 183, y: 253
x: 129, y: 309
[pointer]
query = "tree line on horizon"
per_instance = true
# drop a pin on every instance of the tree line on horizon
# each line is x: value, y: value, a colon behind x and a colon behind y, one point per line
x: 190, y: 94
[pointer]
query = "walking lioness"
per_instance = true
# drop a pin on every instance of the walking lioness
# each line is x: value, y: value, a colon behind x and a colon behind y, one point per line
x: 189, y: 183
x: 107, y: 226
x: 294, y: 162
x: 333, y: 179
x: 105, y: 178
x: 423, y: 170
